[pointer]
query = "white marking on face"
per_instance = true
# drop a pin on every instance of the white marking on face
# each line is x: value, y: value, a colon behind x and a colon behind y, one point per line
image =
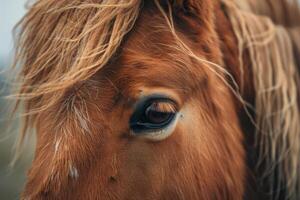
x: 73, y: 172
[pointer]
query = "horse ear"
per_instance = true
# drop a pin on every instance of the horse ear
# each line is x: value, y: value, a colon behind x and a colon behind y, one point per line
x: 192, y: 12
x: 192, y: 7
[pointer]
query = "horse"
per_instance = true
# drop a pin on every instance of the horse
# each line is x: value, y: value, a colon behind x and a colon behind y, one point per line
x: 160, y: 99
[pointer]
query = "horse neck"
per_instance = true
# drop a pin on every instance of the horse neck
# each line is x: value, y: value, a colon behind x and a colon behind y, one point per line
x: 279, y: 18
x: 230, y: 50
x: 282, y: 12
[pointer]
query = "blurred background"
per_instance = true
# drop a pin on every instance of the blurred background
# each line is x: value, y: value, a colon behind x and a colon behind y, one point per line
x: 11, y: 178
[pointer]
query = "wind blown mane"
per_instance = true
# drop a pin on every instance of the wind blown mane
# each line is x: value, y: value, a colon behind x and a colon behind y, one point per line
x: 60, y: 45
x: 270, y: 32
x: 64, y: 43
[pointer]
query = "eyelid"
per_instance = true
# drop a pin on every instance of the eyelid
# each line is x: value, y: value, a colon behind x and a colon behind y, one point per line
x: 158, y: 134
x: 168, y: 107
x: 163, y: 102
x: 146, y: 100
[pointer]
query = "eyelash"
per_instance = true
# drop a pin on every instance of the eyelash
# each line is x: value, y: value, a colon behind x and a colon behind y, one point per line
x: 161, y: 112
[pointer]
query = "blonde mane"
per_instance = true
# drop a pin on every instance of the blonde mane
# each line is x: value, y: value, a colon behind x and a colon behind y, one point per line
x: 270, y: 32
x: 58, y: 58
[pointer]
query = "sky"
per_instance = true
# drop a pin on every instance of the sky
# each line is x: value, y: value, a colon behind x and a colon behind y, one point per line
x: 11, y: 12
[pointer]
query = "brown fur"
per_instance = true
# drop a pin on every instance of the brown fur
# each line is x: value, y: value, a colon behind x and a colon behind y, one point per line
x: 84, y: 69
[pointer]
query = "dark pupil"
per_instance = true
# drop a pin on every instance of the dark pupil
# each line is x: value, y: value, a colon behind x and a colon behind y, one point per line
x: 154, y: 116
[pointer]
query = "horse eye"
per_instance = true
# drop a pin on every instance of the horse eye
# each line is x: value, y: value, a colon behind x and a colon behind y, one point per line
x: 153, y: 115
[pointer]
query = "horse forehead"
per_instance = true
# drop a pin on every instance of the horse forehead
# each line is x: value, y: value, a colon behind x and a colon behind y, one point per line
x: 157, y: 63
x: 150, y: 56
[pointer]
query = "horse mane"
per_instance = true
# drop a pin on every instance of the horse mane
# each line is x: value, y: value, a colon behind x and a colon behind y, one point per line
x: 64, y: 43
x: 60, y: 45
x: 270, y: 32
